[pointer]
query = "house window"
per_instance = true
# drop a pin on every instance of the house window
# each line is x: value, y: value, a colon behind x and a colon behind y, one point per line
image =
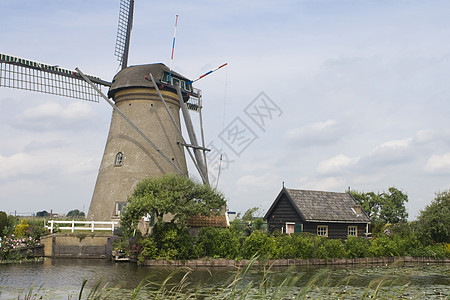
x: 352, y: 230
x: 120, y: 207
x: 119, y: 159
x: 290, y: 227
x: 322, y: 230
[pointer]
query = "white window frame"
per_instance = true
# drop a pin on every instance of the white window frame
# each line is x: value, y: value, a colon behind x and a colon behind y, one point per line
x: 355, y: 230
x: 321, y: 227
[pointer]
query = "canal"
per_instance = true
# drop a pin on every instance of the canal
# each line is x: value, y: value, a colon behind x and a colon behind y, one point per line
x: 63, y: 278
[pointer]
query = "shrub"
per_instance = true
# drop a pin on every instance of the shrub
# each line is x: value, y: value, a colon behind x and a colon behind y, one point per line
x: 217, y: 243
x: 3, y: 221
x: 173, y: 241
x: 304, y: 244
x: 10, y: 226
x: 148, y: 250
x: 356, y: 247
x: 330, y: 248
x: 258, y: 243
x: 21, y: 229
x: 434, y: 251
x: 284, y: 247
x: 36, y: 229
x: 10, y: 246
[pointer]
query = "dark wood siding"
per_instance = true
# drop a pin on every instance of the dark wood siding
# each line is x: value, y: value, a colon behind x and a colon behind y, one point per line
x: 283, y: 212
x: 335, y: 230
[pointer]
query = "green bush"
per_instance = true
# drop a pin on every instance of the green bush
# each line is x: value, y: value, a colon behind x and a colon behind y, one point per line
x: 284, y: 247
x: 434, y: 251
x: 330, y: 248
x: 173, y: 241
x: 393, y: 245
x: 3, y: 221
x: 21, y: 229
x: 10, y: 226
x: 304, y: 244
x: 148, y: 250
x: 260, y: 244
x: 217, y: 243
x: 356, y: 247
x: 36, y: 229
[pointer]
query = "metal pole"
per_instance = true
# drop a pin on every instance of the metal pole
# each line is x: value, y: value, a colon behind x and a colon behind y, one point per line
x: 201, y: 130
x: 192, y: 136
x: 176, y: 125
x: 129, y: 122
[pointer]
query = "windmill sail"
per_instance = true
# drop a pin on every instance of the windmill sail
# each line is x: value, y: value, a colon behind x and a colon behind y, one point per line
x: 34, y: 76
x: 124, y: 31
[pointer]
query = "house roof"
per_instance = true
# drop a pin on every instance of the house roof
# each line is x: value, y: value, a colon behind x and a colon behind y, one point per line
x: 318, y: 206
x: 211, y: 221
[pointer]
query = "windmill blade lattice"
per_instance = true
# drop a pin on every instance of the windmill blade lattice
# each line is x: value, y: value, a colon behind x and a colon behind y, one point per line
x: 34, y: 76
x: 124, y: 31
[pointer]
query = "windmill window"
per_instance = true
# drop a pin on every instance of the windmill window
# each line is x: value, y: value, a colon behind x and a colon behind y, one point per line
x: 322, y: 230
x: 120, y: 207
x: 352, y: 230
x: 119, y: 159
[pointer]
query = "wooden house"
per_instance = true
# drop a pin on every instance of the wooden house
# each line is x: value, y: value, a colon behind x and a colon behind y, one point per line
x: 327, y: 214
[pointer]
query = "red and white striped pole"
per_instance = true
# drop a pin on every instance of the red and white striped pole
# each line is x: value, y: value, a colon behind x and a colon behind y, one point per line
x: 207, y: 73
x: 173, y: 48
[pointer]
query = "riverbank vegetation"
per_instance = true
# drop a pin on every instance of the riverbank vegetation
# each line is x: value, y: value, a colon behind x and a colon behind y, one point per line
x: 426, y: 237
x: 16, y: 234
x: 172, y: 242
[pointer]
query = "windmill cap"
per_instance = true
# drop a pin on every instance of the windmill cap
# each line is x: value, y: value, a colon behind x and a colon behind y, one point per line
x: 134, y: 76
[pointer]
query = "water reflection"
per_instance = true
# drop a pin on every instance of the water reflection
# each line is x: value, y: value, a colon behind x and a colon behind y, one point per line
x: 62, y: 278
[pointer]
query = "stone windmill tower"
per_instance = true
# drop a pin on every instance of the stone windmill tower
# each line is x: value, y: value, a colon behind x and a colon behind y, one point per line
x: 145, y: 133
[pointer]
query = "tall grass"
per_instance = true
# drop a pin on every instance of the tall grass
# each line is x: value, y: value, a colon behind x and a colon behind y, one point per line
x: 177, y: 285
x: 239, y: 286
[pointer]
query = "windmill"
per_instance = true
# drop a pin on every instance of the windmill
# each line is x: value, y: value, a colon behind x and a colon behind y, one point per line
x: 145, y: 137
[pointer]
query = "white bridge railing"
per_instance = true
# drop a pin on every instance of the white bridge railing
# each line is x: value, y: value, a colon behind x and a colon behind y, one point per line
x: 88, y: 225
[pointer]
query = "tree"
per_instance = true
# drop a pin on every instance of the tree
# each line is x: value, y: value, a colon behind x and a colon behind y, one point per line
x: 3, y: 221
x: 174, y: 195
x: 42, y: 214
x: 75, y: 213
x: 387, y: 207
x: 251, y: 214
x: 433, y: 223
x: 393, y: 208
x: 370, y: 203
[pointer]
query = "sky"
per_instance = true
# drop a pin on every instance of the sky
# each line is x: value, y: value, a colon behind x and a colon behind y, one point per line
x: 325, y: 95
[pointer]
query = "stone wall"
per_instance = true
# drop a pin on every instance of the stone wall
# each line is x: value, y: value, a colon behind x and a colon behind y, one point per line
x: 77, y: 245
x: 222, y: 262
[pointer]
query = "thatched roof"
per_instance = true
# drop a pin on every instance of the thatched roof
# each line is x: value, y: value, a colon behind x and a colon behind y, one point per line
x: 134, y: 76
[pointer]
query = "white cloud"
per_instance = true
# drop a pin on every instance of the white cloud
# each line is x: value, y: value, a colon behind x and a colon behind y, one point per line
x: 319, y: 133
x: 390, y: 153
x: 54, y: 161
x: 336, y: 164
x: 325, y: 184
x: 391, y: 146
x: 22, y: 164
x: 256, y: 181
x: 425, y: 136
x: 438, y: 163
x: 54, y: 116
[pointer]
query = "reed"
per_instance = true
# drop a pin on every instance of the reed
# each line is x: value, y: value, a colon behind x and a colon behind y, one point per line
x: 177, y: 285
